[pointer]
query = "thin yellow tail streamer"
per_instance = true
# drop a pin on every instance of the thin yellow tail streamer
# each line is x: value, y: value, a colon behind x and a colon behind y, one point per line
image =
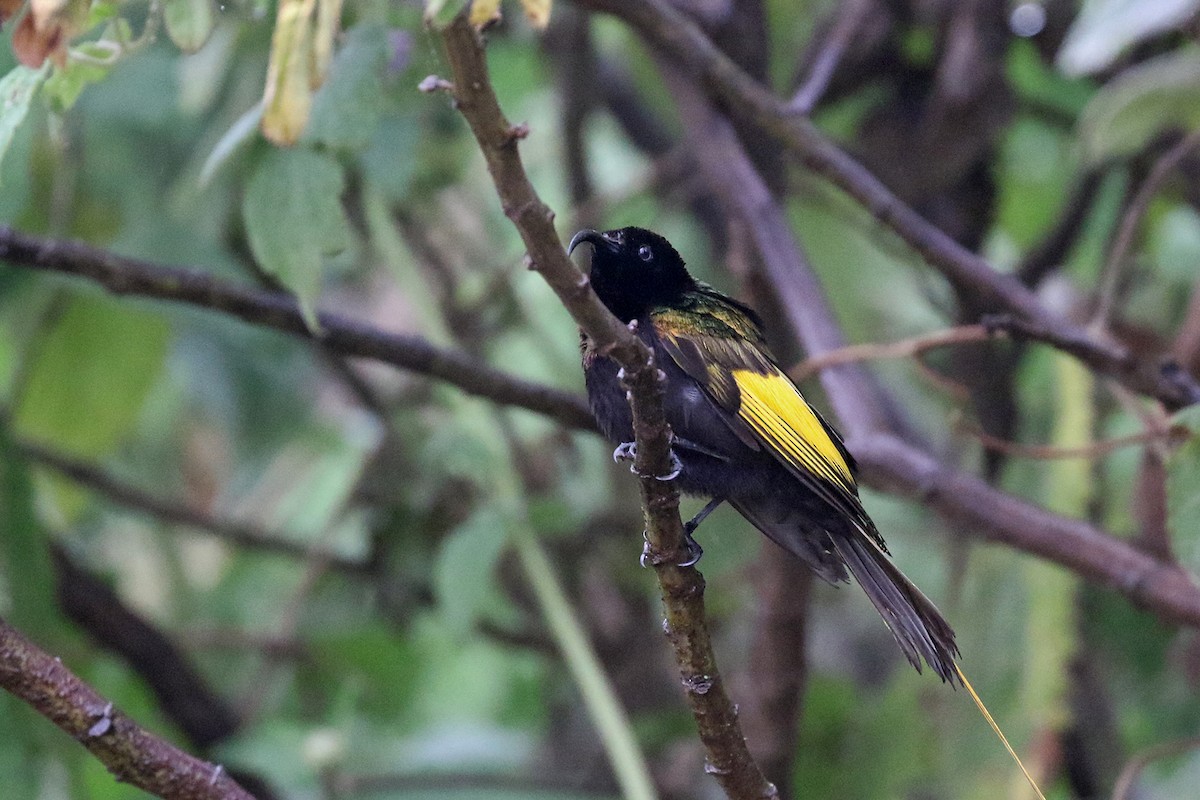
x: 988, y: 716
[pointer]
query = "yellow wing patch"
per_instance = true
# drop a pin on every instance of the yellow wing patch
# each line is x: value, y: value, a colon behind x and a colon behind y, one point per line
x: 774, y: 408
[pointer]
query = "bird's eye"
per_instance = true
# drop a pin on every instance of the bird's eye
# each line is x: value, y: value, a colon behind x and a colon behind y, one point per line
x: 644, y: 253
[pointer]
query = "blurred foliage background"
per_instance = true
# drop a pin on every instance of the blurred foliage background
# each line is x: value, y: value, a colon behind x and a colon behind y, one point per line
x: 393, y: 646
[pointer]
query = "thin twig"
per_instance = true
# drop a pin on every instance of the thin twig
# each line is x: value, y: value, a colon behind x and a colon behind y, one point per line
x: 851, y: 15
x: 349, y: 337
x: 132, y: 754
x: 1123, y: 789
x: 183, y: 694
x: 1045, y: 452
x: 682, y: 587
x: 679, y: 38
x: 1050, y: 252
x: 1111, y: 278
x: 902, y: 348
x: 891, y: 463
x: 176, y: 513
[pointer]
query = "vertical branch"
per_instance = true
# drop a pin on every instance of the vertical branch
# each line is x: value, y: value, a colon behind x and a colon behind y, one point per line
x: 682, y: 587
x: 778, y: 669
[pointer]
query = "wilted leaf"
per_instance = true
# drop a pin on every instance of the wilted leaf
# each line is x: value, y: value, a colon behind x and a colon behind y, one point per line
x: 1105, y: 28
x: 189, y: 22
x: 538, y: 12
x: 287, y: 99
x: 294, y: 219
x: 90, y: 374
x: 17, y: 89
x: 463, y: 575
x: 9, y: 9
x: 484, y: 12
x: 46, y: 30
x: 32, y: 46
x: 439, y: 13
x: 1146, y: 100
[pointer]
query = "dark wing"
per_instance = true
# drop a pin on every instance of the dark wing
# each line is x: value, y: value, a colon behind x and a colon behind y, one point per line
x: 722, y: 349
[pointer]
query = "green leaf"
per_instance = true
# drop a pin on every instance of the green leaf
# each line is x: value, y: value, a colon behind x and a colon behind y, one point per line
x: 294, y: 219
x: 240, y: 132
x: 26, y: 558
x: 1106, y: 28
x: 383, y: 665
x: 1175, y: 244
x: 65, y: 85
x: 347, y: 108
x: 90, y: 375
x: 1155, y: 96
x: 101, y: 11
x: 390, y: 159
x: 17, y: 89
x: 189, y: 22
x: 462, y: 574
x: 1183, y: 492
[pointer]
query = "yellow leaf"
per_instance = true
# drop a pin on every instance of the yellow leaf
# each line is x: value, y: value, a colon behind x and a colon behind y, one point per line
x: 484, y: 12
x: 287, y: 99
x: 44, y: 11
x: 329, y: 18
x: 538, y: 12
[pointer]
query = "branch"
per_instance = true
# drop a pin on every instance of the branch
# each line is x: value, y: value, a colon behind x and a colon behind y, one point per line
x: 129, y: 752
x: 894, y: 465
x: 834, y: 42
x: 1046, y: 452
x: 1127, y: 780
x: 677, y: 37
x: 238, y: 533
x: 1056, y: 245
x: 202, y: 715
x: 1138, y: 206
x: 980, y: 511
x: 133, y: 276
x: 682, y: 587
x: 903, y: 348
x: 776, y: 674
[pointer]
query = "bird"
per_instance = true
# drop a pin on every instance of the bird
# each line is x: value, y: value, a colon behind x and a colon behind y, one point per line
x: 743, y: 432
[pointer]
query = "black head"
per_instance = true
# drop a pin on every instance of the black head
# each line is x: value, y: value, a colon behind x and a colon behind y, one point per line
x: 634, y: 270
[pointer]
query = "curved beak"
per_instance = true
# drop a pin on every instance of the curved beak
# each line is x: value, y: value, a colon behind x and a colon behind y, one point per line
x: 595, y: 238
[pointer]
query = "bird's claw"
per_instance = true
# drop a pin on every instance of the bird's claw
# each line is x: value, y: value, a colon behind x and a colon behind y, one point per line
x: 676, y: 468
x: 694, y: 550
x: 652, y: 557
x: 627, y: 451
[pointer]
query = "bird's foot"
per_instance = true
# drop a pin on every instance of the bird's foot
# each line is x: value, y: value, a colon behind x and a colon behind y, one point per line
x: 652, y: 557
x: 627, y: 451
x: 676, y: 468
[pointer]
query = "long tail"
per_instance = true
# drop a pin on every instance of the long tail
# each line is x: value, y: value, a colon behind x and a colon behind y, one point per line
x: 913, y: 619
x: 919, y: 628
